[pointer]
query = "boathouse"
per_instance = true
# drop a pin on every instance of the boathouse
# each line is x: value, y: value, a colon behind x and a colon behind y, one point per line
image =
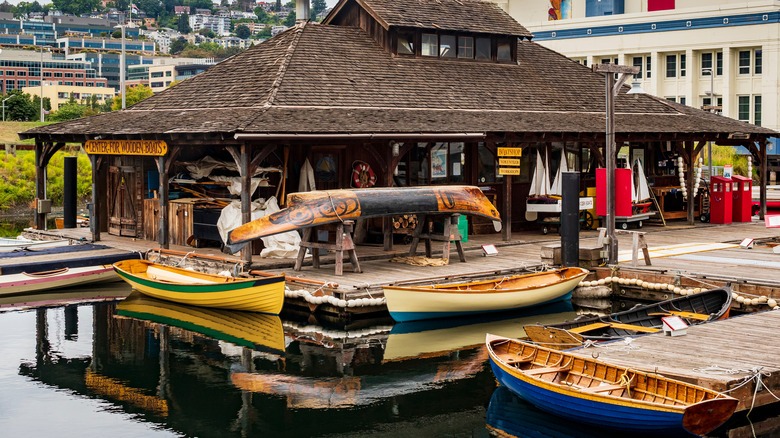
x: 382, y: 92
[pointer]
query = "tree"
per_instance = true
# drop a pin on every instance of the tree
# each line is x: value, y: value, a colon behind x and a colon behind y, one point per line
x: 208, y: 33
x: 262, y: 15
x: 184, y: 24
x: 133, y: 95
x: 76, y: 7
x: 290, y: 20
x: 68, y: 111
x: 242, y: 31
x: 117, y: 34
x: 278, y: 6
x: 178, y: 45
x: 20, y: 107
x: 317, y: 6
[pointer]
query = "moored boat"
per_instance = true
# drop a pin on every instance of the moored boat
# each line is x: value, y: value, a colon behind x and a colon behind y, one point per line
x: 29, y: 282
x: 265, y: 295
x: 596, y: 393
x: 309, y: 209
x: 697, y: 308
x: 410, y: 303
x: 21, y: 243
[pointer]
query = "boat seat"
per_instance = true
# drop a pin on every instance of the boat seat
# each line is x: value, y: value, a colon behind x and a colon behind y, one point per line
x: 603, y: 388
x: 589, y: 327
x: 691, y: 315
x: 511, y: 359
x: 636, y: 328
x: 539, y: 371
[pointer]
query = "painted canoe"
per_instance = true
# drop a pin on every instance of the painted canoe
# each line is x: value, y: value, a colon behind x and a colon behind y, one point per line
x: 411, y: 303
x: 319, y: 207
x: 603, y: 395
x: 257, y: 331
x: 26, y: 282
x: 265, y: 295
x: 694, y: 309
x: 20, y: 243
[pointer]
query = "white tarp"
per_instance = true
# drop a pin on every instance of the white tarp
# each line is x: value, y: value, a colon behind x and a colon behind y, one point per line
x: 284, y: 245
x: 235, y: 188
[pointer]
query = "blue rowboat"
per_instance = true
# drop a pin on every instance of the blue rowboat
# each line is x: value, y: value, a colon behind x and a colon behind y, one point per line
x: 595, y: 393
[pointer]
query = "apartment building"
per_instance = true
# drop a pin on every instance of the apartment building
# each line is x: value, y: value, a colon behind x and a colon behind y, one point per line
x: 70, y: 43
x: 60, y: 94
x: 22, y: 68
x: 219, y: 25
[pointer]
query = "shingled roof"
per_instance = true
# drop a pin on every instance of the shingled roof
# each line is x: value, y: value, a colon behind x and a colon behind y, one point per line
x: 456, y: 15
x: 317, y: 78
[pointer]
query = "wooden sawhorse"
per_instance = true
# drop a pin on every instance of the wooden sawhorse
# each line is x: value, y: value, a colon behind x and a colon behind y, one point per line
x: 448, y: 235
x: 343, y: 242
x: 637, y: 242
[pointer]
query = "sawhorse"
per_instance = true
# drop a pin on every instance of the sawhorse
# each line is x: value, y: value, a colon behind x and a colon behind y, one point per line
x: 449, y: 234
x: 637, y: 242
x: 343, y: 242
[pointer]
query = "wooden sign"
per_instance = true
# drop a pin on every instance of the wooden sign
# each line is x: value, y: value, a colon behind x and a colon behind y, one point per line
x: 510, y: 152
x: 126, y: 147
x: 508, y: 161
x: 508, y: 171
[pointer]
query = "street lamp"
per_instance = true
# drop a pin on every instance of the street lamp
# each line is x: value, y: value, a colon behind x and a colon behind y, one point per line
x: 41, y: 84
x: 4, y: 106
x: 611, y: 90
x: 712, y: 110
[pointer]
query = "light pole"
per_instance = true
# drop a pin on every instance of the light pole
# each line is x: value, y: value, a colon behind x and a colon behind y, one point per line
x: 611, y: 90
x: 41, y: 86
x: 4, y: 106
x: 712, y: 110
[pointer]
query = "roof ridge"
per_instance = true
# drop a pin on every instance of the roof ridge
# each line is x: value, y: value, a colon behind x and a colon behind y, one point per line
x: 298, y: 31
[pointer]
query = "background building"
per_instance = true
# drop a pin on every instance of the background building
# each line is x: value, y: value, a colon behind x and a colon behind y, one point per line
x: 22, y: 68
x: 60, y: 94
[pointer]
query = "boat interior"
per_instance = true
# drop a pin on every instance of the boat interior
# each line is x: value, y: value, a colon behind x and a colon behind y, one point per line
x: 525, y: 281
x: 170, y: 274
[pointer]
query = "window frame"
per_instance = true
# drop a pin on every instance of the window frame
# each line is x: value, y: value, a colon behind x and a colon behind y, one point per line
x: 671, y: 66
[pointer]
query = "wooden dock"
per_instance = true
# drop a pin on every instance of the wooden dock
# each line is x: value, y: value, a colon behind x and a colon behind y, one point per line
x: 719, y: 355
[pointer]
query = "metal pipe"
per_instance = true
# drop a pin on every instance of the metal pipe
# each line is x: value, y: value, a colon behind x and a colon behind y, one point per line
x: 247, y: 136
x: 612, y: 244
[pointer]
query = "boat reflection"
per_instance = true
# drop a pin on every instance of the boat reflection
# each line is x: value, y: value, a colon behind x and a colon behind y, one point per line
x: 511, y: 416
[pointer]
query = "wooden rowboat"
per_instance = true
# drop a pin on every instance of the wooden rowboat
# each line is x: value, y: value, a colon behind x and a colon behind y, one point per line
x: 693, y: 309
x: 596, y: 393
x: 257, y: 331
x: 28, y: 282
x: 440, y: 301
x: 21, y: 243
x: 264, y: 295
x: 309, y: 209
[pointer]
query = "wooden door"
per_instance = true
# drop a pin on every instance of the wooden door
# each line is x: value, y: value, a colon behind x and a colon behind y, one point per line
x: 125, y: 186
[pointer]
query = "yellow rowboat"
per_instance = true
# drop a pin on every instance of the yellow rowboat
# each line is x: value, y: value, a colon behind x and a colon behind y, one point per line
x: 441, y: 301
x: 264, y: 295
x: 252, y: 330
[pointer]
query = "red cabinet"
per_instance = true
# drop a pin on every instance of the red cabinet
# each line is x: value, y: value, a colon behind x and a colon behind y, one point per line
x: 742, y: 199
x: 720, y: 200
x: 622, y: 192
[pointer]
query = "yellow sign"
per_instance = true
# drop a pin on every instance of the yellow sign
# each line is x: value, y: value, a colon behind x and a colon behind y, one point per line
x: 508, y: 171
x: 510, y: 152
x: 508, y: 161
x: 126, y: 147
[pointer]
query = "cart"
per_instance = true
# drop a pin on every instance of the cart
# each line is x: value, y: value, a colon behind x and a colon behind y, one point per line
x: 553, y: 222
x: 637, y: 219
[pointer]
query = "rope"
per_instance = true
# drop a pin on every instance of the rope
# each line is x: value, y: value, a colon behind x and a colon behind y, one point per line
x: 185, y: 256
x: 756, y: 374
x: 334, y: 208
x: 626, y: 381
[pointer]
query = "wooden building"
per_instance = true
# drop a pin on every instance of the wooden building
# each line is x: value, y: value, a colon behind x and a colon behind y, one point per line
x: 421, y: 91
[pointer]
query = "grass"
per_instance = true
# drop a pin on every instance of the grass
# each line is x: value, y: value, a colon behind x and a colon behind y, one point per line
x: 9, y: 131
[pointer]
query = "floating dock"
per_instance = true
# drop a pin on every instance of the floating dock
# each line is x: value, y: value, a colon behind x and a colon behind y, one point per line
x: 732, y: 355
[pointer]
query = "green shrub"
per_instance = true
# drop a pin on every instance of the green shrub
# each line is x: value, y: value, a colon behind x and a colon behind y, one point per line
x: 17, y: 178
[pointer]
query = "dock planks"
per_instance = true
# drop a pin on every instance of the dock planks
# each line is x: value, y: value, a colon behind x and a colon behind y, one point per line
x: 740, y: 344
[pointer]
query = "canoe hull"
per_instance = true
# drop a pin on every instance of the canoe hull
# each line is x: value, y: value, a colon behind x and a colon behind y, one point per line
x: 14, y: 284
x: 8, y: 245
x: 265, y: 295
x: 417, y: 303
x: 309, y: 209
x: 614, y: 409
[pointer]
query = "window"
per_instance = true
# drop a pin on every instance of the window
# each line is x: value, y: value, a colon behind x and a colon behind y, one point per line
x: 466, y: 47
x: 68, y: 75
x: 10, y: 73
x: 21, y: 84
x: 47, y: 74
x: 758, y: 68
x: 743, y: 112
x: 671, y: 99
x: 757, y: 110
x: 62, y: 95
x: 430, y: 44
x: 682, y: 65
x: 156, y: 74
x: 79, y: 84
x: 9, y: 84
x: 168, y: 73
x: 68, y: 83
x: 504, y: 51
x: 405, y: 46
x: 21, y: 73
x: 79, y: 75
x: 156, y: 84
x: 719, y: 63
x: 483, y: 48
x: 682, y: 100
x: 57, y: 74
x: 671, y: 66
x: 447, y: 46
x: 706, y: 63
x: 637, y: 61
x: 648, y: 64
x: 744, y: 62
x: 706, y: 101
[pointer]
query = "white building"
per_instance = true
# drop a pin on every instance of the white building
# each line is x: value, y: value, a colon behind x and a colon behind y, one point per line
x: 677, y: 45
x: 219, y: 25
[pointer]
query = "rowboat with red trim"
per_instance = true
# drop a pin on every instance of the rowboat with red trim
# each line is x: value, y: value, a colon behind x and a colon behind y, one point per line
x: 183, y: 286
x: 596, y: 393
x: 20, y: 243
x: 28, y: 282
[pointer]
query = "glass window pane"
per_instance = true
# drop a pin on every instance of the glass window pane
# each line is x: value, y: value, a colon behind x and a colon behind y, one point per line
x: 706, y: 62
x: 466, y: 47
x: 744, y: 62
x: 486, y: 164
x: 757, y: 110
x: 637, y: 61
x: 718, y: 63
x: 447, y: 46
x: 457, y: 162
x: 682, y: 65
x: 430, y: 44
x: 744, y: 108
x: 405, y: 45
x: 504, y: 52
x: 757, y: 63
x: 439, y: 162
x: 483, y: 48
x: 671, y: 66
x: 648, y: 64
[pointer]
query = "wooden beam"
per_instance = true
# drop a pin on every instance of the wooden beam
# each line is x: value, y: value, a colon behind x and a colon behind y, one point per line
x: 40, y: 183
x: 387, y: 221
x: 246, y: 195
x: 763, y: 180
x: 94, y: 216
x: 260, y: 156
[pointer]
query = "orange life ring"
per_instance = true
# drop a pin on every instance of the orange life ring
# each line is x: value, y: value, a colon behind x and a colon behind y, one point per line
x: 362, y: 175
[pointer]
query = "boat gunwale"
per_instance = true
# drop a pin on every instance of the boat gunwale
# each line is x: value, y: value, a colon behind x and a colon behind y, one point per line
x: 216, y: 287
x: 448, y: 288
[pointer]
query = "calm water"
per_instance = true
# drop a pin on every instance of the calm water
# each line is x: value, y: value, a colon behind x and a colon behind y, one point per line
x: 148, y: 368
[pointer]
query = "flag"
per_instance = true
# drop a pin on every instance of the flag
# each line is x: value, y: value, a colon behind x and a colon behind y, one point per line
x: 132, y: 5
x: 45, y: 112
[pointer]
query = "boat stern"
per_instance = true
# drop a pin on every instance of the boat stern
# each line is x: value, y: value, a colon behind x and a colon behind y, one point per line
x: 704, y: 417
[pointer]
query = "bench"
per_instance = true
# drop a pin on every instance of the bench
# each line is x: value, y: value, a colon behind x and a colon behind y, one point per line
x: 603, y: 388
x: 617, y: 325
x: 590, y: 327
x: 540, y: 371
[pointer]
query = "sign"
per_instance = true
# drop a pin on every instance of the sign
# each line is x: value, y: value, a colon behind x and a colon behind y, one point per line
x: 747, y: 243
x: 508, y: 171
x: 772, y: 221
x: 126, y: 147
x: 508, y: 161
x: 674, y: 326
x: 489, y: 250
x: 728, y: 170
x: 510, y: 152
x: 586, y: 203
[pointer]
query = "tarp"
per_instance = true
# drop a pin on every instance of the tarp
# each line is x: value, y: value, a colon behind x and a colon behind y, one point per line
x: 284, y: 245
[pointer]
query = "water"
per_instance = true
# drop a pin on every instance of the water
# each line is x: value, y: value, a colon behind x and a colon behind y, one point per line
x: 148, y: 368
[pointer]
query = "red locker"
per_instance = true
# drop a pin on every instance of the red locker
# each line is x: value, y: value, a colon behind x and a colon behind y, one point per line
x: 720, y: 200
x: 622, y: 192
x: 743, y: 198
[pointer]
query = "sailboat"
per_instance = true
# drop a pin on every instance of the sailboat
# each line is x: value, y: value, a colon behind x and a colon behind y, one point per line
x: 557, y: 186
x: 641, y: 194
x: 540, y: 182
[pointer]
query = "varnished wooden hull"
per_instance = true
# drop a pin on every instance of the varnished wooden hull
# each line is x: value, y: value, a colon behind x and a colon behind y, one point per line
x: 603, y: 395
x: 713, y: 304
x: 24, y: 283
x: 265, y: 295
x: 416, y: 303
x: 308, y: 209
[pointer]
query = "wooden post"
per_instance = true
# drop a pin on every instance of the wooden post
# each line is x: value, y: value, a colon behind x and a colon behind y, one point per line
x: 40, y: 184
x: 387, y: 221
x: 94, y: 215
x: 506, y: 232
x: 246, y: 196
x: 689, y: 150
x: 162, y: 230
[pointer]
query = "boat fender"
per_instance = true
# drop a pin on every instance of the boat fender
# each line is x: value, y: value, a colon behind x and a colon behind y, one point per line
x: 616, y: 279
x: 740, y: 299
x: 607, y: 280
x: 633, y: 281
x: 771, y: 303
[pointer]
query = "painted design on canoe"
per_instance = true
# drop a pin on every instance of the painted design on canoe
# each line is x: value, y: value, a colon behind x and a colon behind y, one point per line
x: 308, y: 209
x: 265, y: 295
x: 694, y: 309
x: 596, y: 393
x: 409, y: 303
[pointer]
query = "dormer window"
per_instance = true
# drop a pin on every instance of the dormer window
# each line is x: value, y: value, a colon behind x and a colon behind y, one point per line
x: 483, y: 49
x: 466, y: 47
x: 504, y: 51
x: 430, y: 44
x: 406, y: 44
x: 447, y: 46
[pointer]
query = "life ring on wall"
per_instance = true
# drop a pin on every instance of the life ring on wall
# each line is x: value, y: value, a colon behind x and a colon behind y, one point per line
x: 362, y: 175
